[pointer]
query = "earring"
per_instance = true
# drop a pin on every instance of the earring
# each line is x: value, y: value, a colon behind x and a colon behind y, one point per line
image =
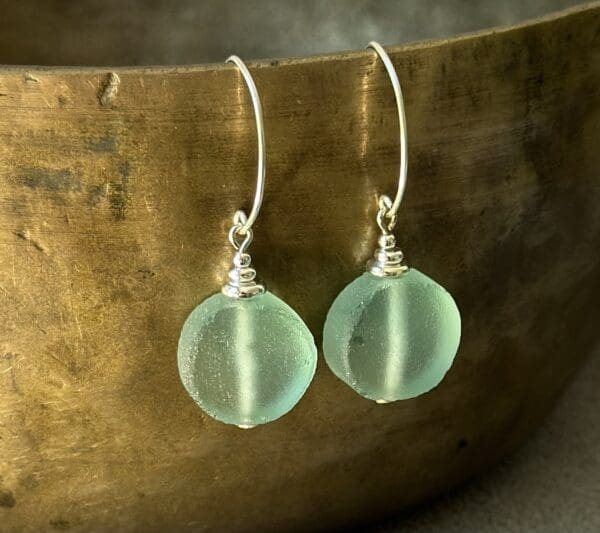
x: 393, y: 333
x: 244, y: 355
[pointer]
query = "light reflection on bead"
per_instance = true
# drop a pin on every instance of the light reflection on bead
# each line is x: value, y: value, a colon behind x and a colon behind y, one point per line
x: 392, y: 338
x: 246, y: 361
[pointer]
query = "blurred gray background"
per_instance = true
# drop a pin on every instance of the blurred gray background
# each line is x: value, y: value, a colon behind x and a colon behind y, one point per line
x: 550, y: 485
x: 146, y: 32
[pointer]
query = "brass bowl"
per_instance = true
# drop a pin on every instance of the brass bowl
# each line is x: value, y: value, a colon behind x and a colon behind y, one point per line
x: 117, y: 187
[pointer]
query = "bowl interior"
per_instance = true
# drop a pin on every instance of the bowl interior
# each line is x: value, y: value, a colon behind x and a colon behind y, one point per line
x: 138, y: 32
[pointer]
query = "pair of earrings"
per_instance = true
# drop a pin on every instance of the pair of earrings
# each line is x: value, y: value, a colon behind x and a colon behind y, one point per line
x: 247, y: 358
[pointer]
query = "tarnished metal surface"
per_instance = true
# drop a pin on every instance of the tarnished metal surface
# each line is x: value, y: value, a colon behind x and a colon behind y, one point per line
x: 116, y: 189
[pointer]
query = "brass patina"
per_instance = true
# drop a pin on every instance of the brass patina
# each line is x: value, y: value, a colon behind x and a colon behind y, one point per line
x: 117, y: 188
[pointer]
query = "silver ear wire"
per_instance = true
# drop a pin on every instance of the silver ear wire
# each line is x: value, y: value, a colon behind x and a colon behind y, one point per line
x: 390, y: 211
x: 387, y: 260
x: 242, y: 277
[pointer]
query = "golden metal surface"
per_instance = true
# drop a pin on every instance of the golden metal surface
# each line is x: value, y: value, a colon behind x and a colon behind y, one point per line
x: 116, y: 192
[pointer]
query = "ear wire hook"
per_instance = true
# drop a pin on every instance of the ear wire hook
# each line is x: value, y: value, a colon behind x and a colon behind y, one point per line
x: 242, y: 277
x: 388, y: 259
x: 241, y: 222
x: 387, y: 208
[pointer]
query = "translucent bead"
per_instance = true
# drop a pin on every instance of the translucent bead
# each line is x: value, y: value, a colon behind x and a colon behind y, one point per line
x: 392, y: 338
x: 246, y: 361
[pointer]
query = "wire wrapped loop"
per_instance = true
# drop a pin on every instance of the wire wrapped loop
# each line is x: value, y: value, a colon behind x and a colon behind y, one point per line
x: 386, y: 220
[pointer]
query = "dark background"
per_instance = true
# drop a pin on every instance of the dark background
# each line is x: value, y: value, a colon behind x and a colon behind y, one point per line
x: 145, y: 32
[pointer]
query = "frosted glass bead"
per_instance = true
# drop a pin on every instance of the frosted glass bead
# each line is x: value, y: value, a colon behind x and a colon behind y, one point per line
x: 392, y: 338
x: 246, y: 361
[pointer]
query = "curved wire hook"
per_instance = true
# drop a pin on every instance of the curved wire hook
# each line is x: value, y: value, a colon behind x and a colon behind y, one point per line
x: 388, y: 208
x: 242, y: 222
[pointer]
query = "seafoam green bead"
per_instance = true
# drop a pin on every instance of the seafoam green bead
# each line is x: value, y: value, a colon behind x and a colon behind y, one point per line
x: 246, y: 361
x: 392, y: 338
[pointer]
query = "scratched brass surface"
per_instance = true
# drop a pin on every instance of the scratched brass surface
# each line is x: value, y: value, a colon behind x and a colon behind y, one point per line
x: 116, y: 191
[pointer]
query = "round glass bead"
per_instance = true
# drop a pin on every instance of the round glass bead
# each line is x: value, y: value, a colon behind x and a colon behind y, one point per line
x: 392, y: 338
x: 246, y: 361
